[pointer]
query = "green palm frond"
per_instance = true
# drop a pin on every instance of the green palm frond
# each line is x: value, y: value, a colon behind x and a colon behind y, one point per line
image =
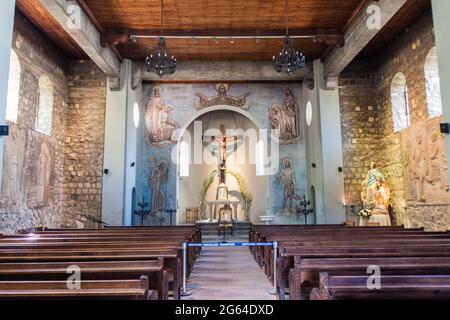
x: 204, y: 190
x: 244, y: 190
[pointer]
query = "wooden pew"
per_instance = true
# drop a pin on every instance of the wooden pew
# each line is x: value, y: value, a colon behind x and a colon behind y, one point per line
x: 415, y: 287
x: 104, y: 270
x: 307, y: 271
x: 83, y: 244
x: 97, y: 289
x: 339, y: 241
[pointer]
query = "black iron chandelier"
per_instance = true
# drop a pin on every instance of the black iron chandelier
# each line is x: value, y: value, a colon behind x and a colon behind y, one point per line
x: 161, y: 62
x: 288, y: 60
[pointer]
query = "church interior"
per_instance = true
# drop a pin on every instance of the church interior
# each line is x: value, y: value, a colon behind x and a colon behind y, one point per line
x: 293, y: 149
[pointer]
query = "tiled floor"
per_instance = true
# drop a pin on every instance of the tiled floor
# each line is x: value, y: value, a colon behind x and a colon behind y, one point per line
x: 228, y: 274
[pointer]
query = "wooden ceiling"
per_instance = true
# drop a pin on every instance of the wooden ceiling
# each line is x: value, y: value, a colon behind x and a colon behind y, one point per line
x: 117, y: 19
x: 39, y: 16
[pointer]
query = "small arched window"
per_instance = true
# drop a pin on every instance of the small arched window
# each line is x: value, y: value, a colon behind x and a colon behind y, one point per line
x: 45, y: 105
x: 432, y: 82
x: 400, y: 102
x: 12, y: 104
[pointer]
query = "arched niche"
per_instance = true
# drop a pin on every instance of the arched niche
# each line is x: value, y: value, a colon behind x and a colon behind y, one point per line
x: 12, y: 105
x: 432, y: 83
x: 400, y: 102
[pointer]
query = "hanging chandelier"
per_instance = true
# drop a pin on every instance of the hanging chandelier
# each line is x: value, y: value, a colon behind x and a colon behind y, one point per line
x: 161, y: 62
x: 288, y: 60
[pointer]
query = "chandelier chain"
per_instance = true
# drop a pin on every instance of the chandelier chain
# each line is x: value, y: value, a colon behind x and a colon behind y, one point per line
x: 286, y: 16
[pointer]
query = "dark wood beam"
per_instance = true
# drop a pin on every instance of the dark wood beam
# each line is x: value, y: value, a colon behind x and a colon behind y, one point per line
x: 328, y: 36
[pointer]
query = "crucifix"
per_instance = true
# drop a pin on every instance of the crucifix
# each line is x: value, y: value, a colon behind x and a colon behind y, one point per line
x: 223, y: 140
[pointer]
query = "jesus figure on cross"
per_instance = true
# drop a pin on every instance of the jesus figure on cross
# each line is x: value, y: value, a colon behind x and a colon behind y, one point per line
x: 223, y: 153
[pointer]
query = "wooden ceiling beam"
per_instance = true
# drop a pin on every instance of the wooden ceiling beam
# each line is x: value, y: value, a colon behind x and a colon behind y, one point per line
x: 328, y: 36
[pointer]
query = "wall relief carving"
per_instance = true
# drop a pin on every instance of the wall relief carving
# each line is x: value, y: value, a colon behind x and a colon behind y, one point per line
x: 222, y: 98
x: 43, y: 173
x: 13, y: 173
x: 426, y: 163
x: 285, y: 118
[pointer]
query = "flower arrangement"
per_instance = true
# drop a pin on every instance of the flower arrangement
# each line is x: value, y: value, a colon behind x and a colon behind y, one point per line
x: 366, y: 213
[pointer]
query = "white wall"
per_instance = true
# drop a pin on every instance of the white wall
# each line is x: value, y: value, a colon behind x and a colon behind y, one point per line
x: 6, y: 26
x: 324, y: 148
x: 441, y: 9
x: 314, y: 154
x: 133, y: 96
x: 115, y: 150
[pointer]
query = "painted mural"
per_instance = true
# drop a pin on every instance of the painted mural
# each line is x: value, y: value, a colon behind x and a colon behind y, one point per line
x: 169, y: 107
x: 221, y: 98
x: 285, y: 118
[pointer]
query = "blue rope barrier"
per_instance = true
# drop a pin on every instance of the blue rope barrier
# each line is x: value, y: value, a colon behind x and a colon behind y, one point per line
x: 231, y: 244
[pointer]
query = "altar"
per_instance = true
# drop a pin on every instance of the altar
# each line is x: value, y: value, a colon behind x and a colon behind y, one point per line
x: 213, y: 205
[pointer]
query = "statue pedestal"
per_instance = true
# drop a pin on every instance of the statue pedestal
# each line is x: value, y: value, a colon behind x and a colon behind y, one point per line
x: 382, y: 218
x: 267, y: 219
x: 213, y: 204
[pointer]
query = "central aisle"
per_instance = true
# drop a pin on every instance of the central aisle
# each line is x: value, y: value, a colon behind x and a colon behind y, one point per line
x: 228, y: 274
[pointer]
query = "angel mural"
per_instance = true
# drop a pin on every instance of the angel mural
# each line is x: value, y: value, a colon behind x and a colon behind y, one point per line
x: 14, y: 155
x: 159, y: 173
x: 159, y: 119
x: 285, y: 118
x: 222, y: 98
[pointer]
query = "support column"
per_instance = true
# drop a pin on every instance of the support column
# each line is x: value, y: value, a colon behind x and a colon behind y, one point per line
x: 324, y: 150
x: 115, y: 151
x: 7, y: 8
x: 441, y: 8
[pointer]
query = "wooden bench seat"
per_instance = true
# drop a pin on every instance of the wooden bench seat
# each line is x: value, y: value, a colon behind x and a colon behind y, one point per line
x: 415, y: 287
x: 104, y: 270
x: 306, y: 271
x: 96, y: 289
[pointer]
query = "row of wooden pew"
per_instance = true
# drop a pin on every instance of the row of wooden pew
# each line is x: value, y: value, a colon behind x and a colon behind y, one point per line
x: 337, y: 261
x: 115, y: 263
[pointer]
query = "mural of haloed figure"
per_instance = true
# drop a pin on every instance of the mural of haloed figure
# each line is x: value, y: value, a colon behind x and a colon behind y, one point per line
x: 285, y: 118
x: 159, y: 120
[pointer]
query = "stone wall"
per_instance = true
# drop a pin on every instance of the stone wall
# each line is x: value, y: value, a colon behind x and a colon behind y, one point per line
x: 32, y: 177
x: 360, y: 131
x: 53, y: 180
x: 368, y: 129
x: 84, y: 139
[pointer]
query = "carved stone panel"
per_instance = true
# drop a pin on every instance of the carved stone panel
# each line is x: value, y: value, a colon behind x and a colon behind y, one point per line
x: 425, y: 163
